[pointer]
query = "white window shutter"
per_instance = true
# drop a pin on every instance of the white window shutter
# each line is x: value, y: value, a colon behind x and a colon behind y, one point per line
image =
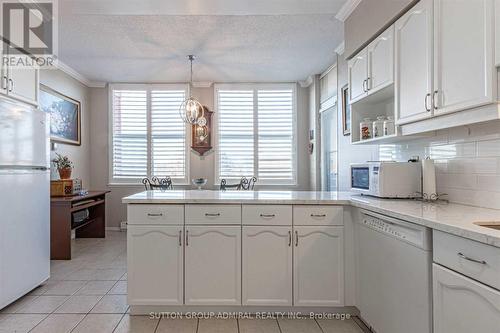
x: 275, y: 136
x: 168, y: 135
x: 129, y: 114
x: 235, y: 133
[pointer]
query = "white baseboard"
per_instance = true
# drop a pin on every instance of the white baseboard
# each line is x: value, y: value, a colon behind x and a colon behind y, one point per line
x: 113, y: 229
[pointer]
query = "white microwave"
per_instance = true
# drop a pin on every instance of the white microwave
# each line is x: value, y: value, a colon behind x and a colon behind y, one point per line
x: 387, y: 179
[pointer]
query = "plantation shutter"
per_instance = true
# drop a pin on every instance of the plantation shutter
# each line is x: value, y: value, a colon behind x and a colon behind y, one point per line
x: 235, y: 133
x: 129, y: 134
x: 168, y: 134
x: 275, y: 136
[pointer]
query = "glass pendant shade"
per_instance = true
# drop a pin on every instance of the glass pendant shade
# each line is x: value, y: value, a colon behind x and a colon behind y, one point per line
x: 191, y: 111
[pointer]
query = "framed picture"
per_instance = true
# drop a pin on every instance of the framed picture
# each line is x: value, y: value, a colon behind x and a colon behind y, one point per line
x: 346, y: 111
x: 65, y: 116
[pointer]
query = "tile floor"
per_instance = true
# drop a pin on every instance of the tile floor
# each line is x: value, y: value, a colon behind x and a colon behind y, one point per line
x: 88, y: 294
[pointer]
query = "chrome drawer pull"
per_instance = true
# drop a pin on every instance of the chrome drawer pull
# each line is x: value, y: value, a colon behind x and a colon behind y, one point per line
x: 318, y: 215
x: 463, y: 256
x: 212, y: 214
x: 267, y: 215
x: 155, y: 214
x: 296, y: 238
x: 289, y: 238
x: 187, y: 237
x: 180, y: 237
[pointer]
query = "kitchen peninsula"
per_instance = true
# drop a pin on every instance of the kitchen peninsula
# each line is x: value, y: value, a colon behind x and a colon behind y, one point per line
x: 267, y: 250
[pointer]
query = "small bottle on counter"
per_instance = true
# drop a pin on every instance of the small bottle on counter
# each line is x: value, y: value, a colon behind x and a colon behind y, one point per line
x: 365, y: 129
x: 378, y: 127
x: 389, y: 126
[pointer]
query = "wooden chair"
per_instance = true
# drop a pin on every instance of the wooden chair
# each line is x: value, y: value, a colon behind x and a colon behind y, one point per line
x: 245, y: 184
x: 156, y: 183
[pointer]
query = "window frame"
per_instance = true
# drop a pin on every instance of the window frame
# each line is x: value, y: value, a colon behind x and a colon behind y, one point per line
x: 255, y: 87
x: 112, y: 181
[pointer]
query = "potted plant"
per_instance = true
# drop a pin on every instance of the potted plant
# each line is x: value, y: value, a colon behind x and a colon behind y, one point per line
x: 64, y: 166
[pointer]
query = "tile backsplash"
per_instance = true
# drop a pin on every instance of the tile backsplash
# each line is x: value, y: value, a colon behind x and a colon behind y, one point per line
x: 467, y: 162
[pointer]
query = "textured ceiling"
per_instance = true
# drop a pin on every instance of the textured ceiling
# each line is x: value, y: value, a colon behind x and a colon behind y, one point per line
x: 111, y: 45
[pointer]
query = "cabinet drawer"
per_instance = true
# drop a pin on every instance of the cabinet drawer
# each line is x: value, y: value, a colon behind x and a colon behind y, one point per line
x: 213, y: 214
x: 267, y: 215
x: 155, y: 214
x: 473, y: 259
x: 318, y: 215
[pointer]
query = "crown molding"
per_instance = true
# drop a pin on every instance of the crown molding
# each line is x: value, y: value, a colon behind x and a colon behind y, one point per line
x: 340, y: 49
x: 206, y: 84
x: 347, y: 10
x: 79, y: 77
x: 307, y: 82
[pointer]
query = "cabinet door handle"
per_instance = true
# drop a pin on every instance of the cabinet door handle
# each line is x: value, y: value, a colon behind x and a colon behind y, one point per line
x: 11, y: 85
x: 212, y: 214
x: 5, y: 82
x: 426, y: 102
x: 368, y: 83
x: 463, y: 256
x: 296, y: 238
x: 269, y: 216
x: 364, y: 86
x: 318, y: 215
x: 435, y: 96
x: 187, y: 237
x: 155, y: 214
x: 180, y: 237
x: 289, y: 238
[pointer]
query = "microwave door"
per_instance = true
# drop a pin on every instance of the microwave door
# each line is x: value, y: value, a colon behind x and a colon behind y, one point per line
x: 360, y: 178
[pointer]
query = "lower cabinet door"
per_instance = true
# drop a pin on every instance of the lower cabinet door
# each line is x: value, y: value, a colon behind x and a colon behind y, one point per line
x: 213, y: 265
x: 318, y: 266
x: 155, y: 265
x: 267, y: 265
x: 462, y: 305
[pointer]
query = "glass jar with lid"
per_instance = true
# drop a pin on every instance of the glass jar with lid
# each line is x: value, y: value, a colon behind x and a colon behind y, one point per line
x: 365, y: 129
x: 389, y: 128
x: 378, y: 127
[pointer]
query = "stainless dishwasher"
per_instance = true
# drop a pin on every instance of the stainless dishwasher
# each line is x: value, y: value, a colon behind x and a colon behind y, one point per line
x: 394, y: 274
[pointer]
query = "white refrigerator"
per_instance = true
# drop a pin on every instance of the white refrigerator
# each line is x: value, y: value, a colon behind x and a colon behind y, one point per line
x: 24, y: 200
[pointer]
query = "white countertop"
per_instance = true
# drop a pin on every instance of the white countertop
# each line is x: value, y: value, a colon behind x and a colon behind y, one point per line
x: 453, y: 218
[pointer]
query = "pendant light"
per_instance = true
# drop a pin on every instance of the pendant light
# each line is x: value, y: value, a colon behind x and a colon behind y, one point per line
x: 191, y: 111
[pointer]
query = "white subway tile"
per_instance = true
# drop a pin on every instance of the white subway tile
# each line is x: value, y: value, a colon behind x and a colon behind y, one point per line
x: 488, y: 183
x: 488, y: 148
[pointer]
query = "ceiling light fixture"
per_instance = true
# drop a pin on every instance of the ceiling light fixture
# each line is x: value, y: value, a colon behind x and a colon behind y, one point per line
x: 191, y: 111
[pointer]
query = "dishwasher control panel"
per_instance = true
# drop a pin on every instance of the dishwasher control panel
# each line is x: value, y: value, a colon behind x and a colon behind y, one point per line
x: 411, y: 233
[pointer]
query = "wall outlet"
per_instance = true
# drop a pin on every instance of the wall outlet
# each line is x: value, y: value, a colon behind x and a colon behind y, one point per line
x: 123, y: 225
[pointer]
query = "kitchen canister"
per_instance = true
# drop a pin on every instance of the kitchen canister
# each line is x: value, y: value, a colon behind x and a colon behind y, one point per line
x: 429, y: 180
x: 378, y: 127
x: 365, y: 129
x: 389, y: 126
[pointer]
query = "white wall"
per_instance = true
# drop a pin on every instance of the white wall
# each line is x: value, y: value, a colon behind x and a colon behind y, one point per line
x: 80, y: 155
x: 199, y: 166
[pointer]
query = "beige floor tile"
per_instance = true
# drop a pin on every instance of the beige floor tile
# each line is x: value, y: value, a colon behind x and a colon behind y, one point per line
x: 98, y: 323
x: 58, y: 323
x: 23, y: 301
x: 19, y: 323
x: 124, y: 277
x: 111, y: 304
x: 177, y: 325
x: 136, y: 324
x: 40, y: 290
x: 339, y: 326
x: 96, y: 288
x: 299, y: 326
x: 82, y: 274
x: 62, y: 288
x: 120, y: 288
x: 109, y: 273
x: 79, y: 304
x: 258, y: 326
x: 43, y: 304
x: 217, y: 326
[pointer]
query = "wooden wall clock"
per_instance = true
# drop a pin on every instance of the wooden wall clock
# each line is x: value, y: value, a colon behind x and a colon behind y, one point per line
x: 201, y: 136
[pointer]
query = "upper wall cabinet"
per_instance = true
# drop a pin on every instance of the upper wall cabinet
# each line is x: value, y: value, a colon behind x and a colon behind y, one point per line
x: 463, y: 54
x: 413, y: 52
x: 372, y: 69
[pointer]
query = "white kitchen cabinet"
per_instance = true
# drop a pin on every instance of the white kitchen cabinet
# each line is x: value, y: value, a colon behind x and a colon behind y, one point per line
x: 23, y: 84
x: 213, y: 265
x: 358, y: 73
x: 267, y: 265
x: 462, y: 305
x: 463, y: 54
x: 413, y: 58
x: 497, y: 32
x: 155, y: 265
x: 381, y: 61
x: 318, y: 264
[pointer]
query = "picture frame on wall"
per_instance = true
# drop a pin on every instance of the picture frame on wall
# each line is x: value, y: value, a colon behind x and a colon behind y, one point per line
x: 346, y: 111
x: 65, y: 116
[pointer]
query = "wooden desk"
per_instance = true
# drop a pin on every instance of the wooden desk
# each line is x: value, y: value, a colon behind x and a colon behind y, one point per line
x: 61, y: 221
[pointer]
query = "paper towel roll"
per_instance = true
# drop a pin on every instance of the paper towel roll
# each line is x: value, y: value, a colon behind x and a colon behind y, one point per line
x: 429, y: 179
